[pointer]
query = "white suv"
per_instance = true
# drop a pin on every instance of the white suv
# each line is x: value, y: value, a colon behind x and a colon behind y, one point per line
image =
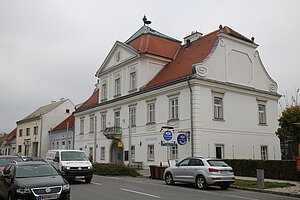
x: 200, y: 171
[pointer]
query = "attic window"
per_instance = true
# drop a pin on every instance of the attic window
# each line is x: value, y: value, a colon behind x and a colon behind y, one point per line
x: 67, y: 110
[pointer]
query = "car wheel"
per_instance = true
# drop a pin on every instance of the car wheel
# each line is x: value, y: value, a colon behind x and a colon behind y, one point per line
x: 169, y: 179
x: 88, y: 180
x: 225, y: 186
x: 201, y: 182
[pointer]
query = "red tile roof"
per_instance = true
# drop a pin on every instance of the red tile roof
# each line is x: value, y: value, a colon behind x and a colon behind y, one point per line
x: 10, y: 137
x: 69, y: 122
x: 93, y: 100
x: 181, y: 66
x: 155, y: 45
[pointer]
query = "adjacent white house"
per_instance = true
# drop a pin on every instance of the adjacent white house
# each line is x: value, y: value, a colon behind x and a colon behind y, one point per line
x: 33, y: 131
x: 159, y: 99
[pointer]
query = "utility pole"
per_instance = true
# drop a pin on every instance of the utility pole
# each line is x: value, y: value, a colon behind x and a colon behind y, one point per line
x: 95, y: 140
x: 129, y: 139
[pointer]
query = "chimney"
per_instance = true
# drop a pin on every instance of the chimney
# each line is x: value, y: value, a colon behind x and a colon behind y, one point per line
x: 191, y: 38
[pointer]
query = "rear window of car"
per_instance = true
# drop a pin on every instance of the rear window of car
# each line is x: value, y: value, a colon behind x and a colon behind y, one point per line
x: 217, y: 163
x: 5, y: 160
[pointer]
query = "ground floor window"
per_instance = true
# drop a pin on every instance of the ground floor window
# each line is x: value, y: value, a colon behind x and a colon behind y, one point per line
x: 150, y: 152
x: 264, y: 152
x: 220, y: 151
x: 174, y: 152
x: 102, y: 153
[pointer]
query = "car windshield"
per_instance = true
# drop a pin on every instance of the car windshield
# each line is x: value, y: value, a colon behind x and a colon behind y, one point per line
x: 28, y: 171
x: 217, y: 163
x: 5, y: 161
x: 73, y: 156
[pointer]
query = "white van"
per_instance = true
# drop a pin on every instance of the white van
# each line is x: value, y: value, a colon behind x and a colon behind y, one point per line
x: 73, y: 164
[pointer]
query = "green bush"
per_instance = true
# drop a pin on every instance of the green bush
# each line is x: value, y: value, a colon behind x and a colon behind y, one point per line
x: 273, y: 169
x: 110, y: 169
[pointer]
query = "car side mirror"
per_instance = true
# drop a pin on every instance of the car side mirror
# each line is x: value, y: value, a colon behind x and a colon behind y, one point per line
x: 9, y: 176
x: 55, y: 159
x: 177, y: 164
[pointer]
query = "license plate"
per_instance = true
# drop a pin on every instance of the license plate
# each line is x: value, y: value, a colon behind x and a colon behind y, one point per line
x: 79, y: 177
x: 48, y: 197
x: 224, y: 172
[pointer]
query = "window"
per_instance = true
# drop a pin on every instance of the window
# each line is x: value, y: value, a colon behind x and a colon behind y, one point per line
x: 264, y: 152
x: 132, y: 153
x: 151, y: 112
x: 117, y: 119
x: 150, y: 152
x: 27, y: 131
x: 102, y: 153
x: 103, y: 121
x: 92, y: 123
x: 174, y: 152
x: 220, y: 151
x: 20, y: 132
x: 67, y: 110
x: 174, y: 108
x: 133, y: 81
x: 196, y: 162
x: 35, y: 130
x: 132, y: 116
x: 19, y: 148
x: 104, y: 91
x: 262, y: 114
x: 53, y: 146
x: 81, y: 131
x: 117, y: 86
x: 218, y: 108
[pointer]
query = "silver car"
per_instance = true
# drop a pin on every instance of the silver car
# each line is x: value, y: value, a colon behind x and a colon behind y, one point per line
x: 201, y: 171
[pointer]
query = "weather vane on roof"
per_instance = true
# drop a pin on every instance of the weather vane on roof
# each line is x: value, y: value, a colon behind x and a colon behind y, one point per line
x: 146, y: 21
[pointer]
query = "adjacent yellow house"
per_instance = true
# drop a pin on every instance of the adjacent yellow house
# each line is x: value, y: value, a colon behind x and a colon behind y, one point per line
x: 33, y: 131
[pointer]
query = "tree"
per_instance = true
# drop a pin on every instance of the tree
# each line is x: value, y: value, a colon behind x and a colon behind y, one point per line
x: 289, y: 124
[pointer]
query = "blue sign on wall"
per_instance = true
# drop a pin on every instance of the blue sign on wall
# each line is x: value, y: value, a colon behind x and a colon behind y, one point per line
x: 168, y: 135
x: 181, y: 139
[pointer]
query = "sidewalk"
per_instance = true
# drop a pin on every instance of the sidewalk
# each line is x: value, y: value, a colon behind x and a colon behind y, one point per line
x: 293, y: 191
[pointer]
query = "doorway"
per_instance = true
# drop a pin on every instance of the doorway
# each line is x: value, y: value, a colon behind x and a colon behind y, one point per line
x: 116, y: 152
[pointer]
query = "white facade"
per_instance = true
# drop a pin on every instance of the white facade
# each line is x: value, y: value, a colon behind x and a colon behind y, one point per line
x: 231, y: 79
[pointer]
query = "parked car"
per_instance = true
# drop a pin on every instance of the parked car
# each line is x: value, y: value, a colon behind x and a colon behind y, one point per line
x: 35, y: 158
x: 73, y: 164
x: 201, y: 171
x: 4, y: 160
x: 33, y: 180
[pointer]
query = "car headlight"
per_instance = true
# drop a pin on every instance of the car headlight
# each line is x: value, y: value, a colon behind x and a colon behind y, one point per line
x: 66, y: 187
x: 65, y: 168
x: 89, y: 167
x: 23, y: 190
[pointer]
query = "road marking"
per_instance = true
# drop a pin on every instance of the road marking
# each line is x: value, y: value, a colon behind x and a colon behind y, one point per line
x: 96, y: 183
x: 142, y: 193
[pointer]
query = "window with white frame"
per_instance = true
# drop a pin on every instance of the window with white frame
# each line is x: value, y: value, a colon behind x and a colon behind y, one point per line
x: 103, y: 121
x: 117, y: 121
x: 132, y: 115
x: 20, y: 132
x: 117, y: 86
x: 151, y: 112
x: 173, y: 102
x: 92, y: 123
x: 262, y: 113
x: 174, y: 152
x: 150, y: 151
x: 35, y: 130
x: 133, y: 81
x: 104, y: 91
x: 102, y: 153
x: 264, y: 152
x: 218, y: 108
x: 27, y: 131
x: 132, y: 153
x: 81, y: 128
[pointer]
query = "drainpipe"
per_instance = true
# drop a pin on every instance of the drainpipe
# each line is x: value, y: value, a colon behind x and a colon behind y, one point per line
x: 192, y: 119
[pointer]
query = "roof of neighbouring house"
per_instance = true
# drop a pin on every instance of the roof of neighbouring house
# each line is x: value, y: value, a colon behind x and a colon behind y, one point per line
x: 43, y: 110
x: 10, y: 137
x: 93, y: 100
x: 67, y: 123
x: 181, y: 66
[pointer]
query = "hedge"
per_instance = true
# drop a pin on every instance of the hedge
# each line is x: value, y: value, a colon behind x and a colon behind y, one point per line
x: 273, y: 169
x: 110, y: 169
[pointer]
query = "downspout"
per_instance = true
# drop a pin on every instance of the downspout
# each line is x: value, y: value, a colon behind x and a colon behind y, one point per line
x: 40, y: 149
x: 192, y: 119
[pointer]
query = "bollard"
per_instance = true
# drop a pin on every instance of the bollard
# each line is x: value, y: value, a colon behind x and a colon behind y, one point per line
x: 260, y: 178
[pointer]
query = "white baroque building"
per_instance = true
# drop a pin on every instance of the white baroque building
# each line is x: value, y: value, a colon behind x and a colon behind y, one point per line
x: 213, y: 89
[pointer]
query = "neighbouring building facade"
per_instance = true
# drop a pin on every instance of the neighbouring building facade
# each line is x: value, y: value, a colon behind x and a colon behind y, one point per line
x: 8, y: 144
x: 159, y: 99
x: 33, y: 131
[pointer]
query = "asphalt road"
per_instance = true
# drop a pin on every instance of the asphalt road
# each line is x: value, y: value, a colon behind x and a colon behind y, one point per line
x: 120, y: 188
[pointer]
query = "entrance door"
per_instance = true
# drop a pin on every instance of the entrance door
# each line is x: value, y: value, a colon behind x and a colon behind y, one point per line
x: 116, y: 152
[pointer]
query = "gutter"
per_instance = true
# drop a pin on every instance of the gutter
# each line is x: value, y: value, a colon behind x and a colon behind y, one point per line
x: 191, y: 111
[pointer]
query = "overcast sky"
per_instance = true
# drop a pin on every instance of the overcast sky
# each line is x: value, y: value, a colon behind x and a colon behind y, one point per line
x: 52, y: 48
